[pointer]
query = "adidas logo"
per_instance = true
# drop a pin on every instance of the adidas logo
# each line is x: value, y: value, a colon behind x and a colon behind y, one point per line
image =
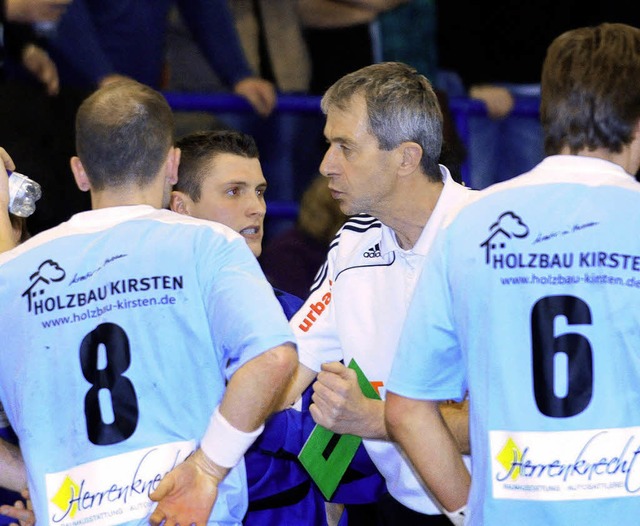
x: 373, y: 252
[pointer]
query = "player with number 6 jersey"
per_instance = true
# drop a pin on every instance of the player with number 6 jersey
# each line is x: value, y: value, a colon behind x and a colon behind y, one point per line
x: 531, y: 300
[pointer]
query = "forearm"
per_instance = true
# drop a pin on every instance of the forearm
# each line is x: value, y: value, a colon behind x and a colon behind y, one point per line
x: 301, y: 379
x: 12, y: 474
x: 257, y: 389
x: 7, y: 237
x: 420, y: 430
x: 325, y: 14
x: 456, y: 416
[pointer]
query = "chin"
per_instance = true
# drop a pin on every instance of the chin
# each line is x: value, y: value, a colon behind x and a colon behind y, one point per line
x: 256, y: 248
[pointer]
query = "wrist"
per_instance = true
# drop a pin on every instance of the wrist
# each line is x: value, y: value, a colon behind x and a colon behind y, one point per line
x: 457, y: 517
x: 224, y: 444
x: 208, y: 466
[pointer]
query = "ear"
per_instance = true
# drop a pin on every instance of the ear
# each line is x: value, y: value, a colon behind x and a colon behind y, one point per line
x: 173, y: 161
x: 82, y: 181
x: 179, y: 202
x: 410, y: 156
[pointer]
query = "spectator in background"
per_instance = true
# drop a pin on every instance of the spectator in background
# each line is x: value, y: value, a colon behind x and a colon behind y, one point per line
x: 338, y: 34
x: 127, y: 38
x: 96, y: 42
x: 499, y: 60
x: 270, y: 34
x: 291, y: 259
x: 408, y: 33
x: 28, y: 83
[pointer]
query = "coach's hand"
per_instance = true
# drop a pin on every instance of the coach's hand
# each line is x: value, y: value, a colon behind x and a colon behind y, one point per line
x: 339, y: 405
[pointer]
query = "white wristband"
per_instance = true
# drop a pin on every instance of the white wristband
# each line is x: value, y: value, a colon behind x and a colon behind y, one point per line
x: 457, y: 516
x: 223, y: 443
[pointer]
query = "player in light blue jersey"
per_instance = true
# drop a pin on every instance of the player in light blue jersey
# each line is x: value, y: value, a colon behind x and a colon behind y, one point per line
x: 136, y: 338
x: 531, y: 299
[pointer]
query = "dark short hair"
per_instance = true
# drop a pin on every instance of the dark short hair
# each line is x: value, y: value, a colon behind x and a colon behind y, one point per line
x: 401, y: 106
x: 123, y: 133
x: 200, y: 148
x: 590, y: 89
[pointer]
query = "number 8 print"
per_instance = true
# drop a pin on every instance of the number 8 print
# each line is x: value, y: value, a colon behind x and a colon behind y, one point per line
x: 123, y: 396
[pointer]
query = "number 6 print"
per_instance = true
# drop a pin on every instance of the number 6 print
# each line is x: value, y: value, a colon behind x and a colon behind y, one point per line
x: 577, y: 348
x: 123, y: 396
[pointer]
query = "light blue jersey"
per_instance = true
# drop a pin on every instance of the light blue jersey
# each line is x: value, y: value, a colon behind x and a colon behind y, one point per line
x: 120, y: 329
x: 531, y: 299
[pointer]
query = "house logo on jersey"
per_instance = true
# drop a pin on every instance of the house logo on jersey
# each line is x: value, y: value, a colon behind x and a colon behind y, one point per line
x: 47, y: 272
x: 373, y: 252
x: 508, y: 226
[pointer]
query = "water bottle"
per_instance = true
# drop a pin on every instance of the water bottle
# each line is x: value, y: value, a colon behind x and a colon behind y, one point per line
x: 23, y: 194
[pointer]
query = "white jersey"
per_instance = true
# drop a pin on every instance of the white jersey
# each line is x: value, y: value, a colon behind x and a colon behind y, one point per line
x: 120, y: 329
x: 533, y: 289
x: 356, y: 309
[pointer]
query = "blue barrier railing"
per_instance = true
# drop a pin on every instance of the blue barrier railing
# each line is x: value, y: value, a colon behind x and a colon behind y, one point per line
x: 228, y: 102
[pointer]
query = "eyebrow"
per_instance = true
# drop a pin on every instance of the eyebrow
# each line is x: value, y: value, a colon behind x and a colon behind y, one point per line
x: 243, y: 183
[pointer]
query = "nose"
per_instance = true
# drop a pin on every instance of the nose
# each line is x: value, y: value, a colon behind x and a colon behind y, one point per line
x: 256, y: 206
x: 328, y: 164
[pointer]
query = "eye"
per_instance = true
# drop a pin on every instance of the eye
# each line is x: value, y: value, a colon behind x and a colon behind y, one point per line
x: 260, y: 192
x: 233, y: 191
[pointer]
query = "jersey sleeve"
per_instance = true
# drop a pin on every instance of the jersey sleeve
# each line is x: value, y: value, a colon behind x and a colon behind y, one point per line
x: 246, y: 319
x: 314, y: 324
x: 429, y: 364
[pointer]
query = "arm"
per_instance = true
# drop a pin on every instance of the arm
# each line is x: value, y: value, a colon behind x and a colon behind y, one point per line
x: 27, y: 11
x: 456, y: 415
x: 340, y: 406
x: 213, y: 28
x: 88, y: 61
x: 7, y: 236
x: 12, y: 475
x: 37, y: 62
x: 302, y: 378
x: 187, y: 494
x: 420, y: 430
x: 498, y: 100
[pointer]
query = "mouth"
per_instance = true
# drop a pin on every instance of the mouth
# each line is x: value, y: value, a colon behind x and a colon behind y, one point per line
x: 250, y: 231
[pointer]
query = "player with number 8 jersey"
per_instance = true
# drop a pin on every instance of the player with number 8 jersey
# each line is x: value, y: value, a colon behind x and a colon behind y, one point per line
x: 125, y: 329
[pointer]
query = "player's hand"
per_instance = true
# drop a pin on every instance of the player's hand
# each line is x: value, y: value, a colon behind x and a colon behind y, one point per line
x: 19, y: 511
x: 339, y: 405
x: 187, y: 493
x: 260, y: 93
x: 6, y: 163
x: 29, y: 11
x: 498, y: 100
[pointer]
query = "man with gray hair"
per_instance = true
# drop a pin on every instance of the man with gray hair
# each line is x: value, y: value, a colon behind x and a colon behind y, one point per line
x: 384, y: 129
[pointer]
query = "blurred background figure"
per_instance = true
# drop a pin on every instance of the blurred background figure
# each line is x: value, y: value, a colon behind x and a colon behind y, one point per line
x: 292, y: 258
x: 271, y: 36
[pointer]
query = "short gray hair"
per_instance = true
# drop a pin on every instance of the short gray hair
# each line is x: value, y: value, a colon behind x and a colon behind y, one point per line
x: 401, y: 106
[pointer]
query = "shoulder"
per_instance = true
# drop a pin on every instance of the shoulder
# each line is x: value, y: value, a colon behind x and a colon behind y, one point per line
x: 290, y: 304
x: 357, y: 230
